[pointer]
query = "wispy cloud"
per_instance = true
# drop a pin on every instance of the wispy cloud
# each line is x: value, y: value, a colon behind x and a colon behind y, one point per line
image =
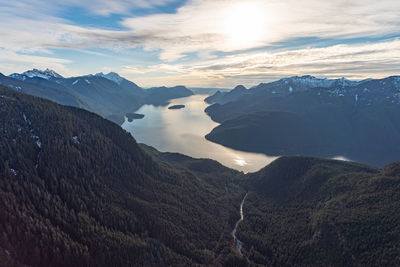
x: 107, y: 7
x: 201, y: 25
x: 99, y: 7
x: 12, y: 62
x: 351, y: 61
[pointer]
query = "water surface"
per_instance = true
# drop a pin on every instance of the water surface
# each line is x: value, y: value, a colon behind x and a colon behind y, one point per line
x: 183, y: 131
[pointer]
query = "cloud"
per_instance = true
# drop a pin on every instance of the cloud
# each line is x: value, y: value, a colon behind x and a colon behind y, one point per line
x: 13, y: 62
x: 185, y: 31
x: 200, y: 27
x: 107, y: 7
x: 374, y: 60
x: 98, y: 7
x: 204, y: 29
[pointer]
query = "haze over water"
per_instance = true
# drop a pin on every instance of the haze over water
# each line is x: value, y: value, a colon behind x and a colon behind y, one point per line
x: 183, y: 131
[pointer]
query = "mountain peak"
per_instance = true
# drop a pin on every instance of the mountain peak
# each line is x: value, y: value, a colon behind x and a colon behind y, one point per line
x: 239, y: 88
x: 343, y: 82
x: 307, y: 81
x: 112, y: 76
x: 45, y: 74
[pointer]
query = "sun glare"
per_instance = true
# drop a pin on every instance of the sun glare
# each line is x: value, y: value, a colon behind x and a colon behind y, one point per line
x: 245, y: 24
x: 240, y: 162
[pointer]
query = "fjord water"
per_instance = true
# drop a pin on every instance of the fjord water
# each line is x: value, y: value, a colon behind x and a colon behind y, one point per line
x: 183, y: 131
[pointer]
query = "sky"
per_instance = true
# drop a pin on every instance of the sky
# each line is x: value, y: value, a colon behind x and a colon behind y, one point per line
x: 202, y: 43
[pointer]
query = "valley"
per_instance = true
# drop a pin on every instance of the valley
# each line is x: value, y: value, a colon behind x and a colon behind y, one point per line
x: 206, y: 133
x: 95, y: 197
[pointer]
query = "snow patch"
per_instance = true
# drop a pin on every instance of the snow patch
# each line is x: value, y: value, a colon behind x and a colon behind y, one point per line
x: 36, y: 138
x: 112, y: 76
x: 75, y: 82
x: 309, y: 81
x: 87, y: 81
x: 26, y: 119
x: 76, y: 140
x: 18, y: 76
x: 14, y: 172
x: 16, y: 88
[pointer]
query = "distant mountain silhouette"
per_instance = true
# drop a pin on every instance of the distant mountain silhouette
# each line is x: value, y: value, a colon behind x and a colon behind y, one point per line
x: 225, y: 97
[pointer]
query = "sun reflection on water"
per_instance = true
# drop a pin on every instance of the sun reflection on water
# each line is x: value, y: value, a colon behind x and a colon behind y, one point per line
x: 241, y: 162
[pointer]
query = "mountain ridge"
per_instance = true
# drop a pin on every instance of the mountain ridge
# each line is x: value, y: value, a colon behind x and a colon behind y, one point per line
x: 109, y: 95
x: 44, y: 74
x: 359, y: 122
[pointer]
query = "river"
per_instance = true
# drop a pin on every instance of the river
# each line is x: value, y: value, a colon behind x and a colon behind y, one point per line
x: 238, y: 242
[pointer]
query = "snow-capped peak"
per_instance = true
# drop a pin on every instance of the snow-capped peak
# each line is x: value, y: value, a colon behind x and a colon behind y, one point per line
x: 308, y: 81
x: 45, y: 74
x: 112, y: 76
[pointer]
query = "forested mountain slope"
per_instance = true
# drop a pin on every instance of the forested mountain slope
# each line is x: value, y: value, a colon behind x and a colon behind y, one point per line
x: 76, y: 190
x: 304, y: 211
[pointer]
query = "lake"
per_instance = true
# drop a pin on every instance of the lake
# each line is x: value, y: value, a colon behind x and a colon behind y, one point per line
x: 183, y: 131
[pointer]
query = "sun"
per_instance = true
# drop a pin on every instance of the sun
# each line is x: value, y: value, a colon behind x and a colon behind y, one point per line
x: 244, y: 24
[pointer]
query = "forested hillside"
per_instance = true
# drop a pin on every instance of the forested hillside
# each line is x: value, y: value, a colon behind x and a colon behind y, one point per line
x: 76, y: 190
x: 313, y: 212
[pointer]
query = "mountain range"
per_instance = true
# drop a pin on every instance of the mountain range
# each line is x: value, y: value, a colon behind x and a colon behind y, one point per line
x: 77, y: 190
x: 309, y: 116
x: 108, y: 95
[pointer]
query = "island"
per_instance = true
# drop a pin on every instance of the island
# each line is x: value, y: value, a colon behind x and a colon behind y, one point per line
x: 176, y: 107
x: 134, y: 116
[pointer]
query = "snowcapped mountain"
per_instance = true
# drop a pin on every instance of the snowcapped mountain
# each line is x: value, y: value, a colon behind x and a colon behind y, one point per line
x: 282, y: 87
x: 305, y: 90
x: 112, y: 76
x: 44, y: 74
x: 307, y: 81
x: 108, y: 95
x: 370, y: 91
x: 300, y: 83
